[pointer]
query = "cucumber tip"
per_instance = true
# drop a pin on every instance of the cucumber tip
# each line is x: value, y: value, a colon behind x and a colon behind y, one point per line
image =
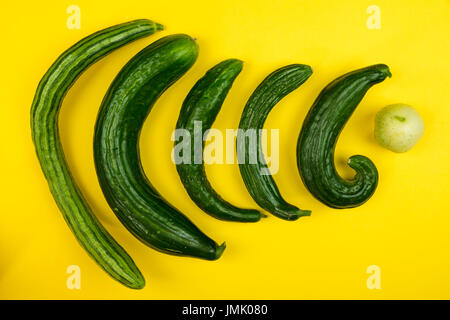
x: 219, y: 250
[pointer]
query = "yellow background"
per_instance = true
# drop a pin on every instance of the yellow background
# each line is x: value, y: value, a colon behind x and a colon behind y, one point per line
x: 403, y: 228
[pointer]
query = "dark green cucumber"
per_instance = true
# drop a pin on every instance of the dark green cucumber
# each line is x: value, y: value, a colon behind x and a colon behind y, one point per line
x: 262, y: 187
x: 321, y: 128
x: 202, y: 105
x: 44, y: 127
x: 126, y: 105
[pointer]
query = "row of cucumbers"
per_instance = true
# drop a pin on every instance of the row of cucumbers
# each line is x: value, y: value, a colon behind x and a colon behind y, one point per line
x: 138, y: 205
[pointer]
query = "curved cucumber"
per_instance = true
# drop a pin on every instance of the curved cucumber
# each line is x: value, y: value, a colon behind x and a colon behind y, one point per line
x: 202, y: 105
x: 261, y: 186
x: 44, y: 127
x: 124, y: 109
x: 321, y: 128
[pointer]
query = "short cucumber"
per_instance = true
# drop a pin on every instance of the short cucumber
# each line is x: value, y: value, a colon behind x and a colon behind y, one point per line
x: 320, y: 131
x: 129, y: 193
x: 44, y: 127
x: 262, y: 187
x: 202, y: 105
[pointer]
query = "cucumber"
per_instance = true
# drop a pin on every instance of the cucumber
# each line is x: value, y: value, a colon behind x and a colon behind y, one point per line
x: 320, y: 131
x: 50, y: 93
x: 137, y: 204
x: 261, y: 187
x: 202, y: 105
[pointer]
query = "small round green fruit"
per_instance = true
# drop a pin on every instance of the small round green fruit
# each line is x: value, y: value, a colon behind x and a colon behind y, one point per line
x: 398, y: 127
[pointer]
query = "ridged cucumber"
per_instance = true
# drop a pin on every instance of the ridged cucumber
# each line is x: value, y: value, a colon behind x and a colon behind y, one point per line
x: 320, y: 131
x: 202, y: 105
x: 44, y: 127
x: 129, y: 193
x: 262, y: 187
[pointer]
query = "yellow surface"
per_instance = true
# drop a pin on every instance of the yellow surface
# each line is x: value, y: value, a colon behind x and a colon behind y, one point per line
x: 403, y: 228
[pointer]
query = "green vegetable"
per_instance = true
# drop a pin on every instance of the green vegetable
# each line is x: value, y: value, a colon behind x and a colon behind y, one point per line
x: 124, y: 109
x: 262, y: 186
x: 321, y: 128
x: 202, y: 105
x: 44, y: 127
x: 398, y: 127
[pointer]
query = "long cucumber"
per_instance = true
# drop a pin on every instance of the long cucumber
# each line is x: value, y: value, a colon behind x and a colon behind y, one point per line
x: 126, y: 105
x: 202, y: 105
x: 261, y: 186
x: 50, y: 93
